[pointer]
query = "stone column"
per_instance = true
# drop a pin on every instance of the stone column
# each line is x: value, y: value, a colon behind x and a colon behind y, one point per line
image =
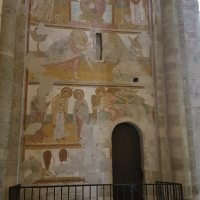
x: 188, y: 15
x: 7, y: 46
x: 165, y: 160
x: 16, y: 127
x: 174, y: 96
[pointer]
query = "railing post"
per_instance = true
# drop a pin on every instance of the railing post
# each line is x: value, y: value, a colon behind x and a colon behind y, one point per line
x: 181, y: 186
x: 14, y: 192
x: 132, y: 191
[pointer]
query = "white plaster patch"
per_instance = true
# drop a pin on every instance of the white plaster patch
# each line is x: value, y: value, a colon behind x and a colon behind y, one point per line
x: 76, y: 11
x: 145, y: 41
x: 33, y: 65
x: 147, y: 96
x: 107, y: 152
x: 32, y: 128
x: 28, y: 173
x: 107, y: 16
x: 46, y: 85
x: 43, y: 30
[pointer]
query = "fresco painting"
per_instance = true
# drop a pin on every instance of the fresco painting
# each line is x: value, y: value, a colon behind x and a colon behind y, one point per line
x: 110, y: 14
x: 73, y: 57
x: 68, y: 109
x: 68, y: 118
x: 75, y: 91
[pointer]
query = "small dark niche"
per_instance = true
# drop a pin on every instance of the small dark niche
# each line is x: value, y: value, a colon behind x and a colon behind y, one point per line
x: 135, y: 79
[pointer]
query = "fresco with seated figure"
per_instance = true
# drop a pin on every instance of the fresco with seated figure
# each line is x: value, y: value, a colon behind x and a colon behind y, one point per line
x: 71, y: 56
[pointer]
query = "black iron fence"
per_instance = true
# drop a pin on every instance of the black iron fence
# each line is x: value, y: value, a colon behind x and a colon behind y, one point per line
x: 158, y: 191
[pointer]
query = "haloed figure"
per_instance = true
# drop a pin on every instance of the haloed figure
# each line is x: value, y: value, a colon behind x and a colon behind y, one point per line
x: 80, y: 111
x: 38, y: 106
x: 47, y: 156
x: 106, y: 104
x: 59, y: 113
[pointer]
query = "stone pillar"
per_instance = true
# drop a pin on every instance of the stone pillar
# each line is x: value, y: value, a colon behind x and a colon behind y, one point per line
x: 165, y: 160
x: 16, y: 127
x: 174, y: 96
x: 188, y: 17
x: 7, y: 46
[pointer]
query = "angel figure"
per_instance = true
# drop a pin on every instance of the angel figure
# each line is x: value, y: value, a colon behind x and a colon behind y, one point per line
x: 105, y: 101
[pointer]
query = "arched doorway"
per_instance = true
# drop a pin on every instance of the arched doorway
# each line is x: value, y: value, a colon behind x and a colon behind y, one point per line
x: 126, y: 157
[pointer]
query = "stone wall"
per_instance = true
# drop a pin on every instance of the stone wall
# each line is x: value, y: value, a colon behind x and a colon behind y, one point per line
x: 0, y: 11
x: 62, y: 102
x: 189, y: 30
x: 7, y: 45
x: 98, y: 93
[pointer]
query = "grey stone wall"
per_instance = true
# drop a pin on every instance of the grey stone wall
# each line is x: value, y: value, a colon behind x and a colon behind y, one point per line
x: 188, y: 18
x: 175, y: 99
x: 160, y: 94
x: 7, y: 44
x: 16, y: 126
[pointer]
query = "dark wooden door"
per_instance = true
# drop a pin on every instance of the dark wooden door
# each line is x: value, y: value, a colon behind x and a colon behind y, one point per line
x: 126, y: 159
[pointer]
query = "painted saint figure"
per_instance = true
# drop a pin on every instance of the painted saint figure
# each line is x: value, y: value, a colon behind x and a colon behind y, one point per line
x: 106, y: 101
x: 92, y: 10
x: 137, y: 9
x: 38, y: 106
x: 42, y: 10
x: 59, y: 113
x: 80, y: 111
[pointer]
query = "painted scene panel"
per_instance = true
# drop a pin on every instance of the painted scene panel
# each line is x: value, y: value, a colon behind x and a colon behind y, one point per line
x: 105, y: 14
x: 71, y: 56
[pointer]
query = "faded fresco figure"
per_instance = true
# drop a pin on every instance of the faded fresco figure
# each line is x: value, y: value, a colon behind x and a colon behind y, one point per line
x: 80, y: 111
x: 137, y: 9
x: 47, y: 156
x: 128, y: 60
x: 42, y: 10
x: 59, y: 113
x: 92, y: 10
x: 38, y: 106
x: 65, y: 54
x: 106, y: 101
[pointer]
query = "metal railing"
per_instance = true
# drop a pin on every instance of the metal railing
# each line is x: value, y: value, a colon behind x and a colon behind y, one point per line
x: 158, y: 191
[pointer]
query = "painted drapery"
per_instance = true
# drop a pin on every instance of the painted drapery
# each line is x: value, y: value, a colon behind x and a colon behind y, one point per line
x: 138, y: 11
